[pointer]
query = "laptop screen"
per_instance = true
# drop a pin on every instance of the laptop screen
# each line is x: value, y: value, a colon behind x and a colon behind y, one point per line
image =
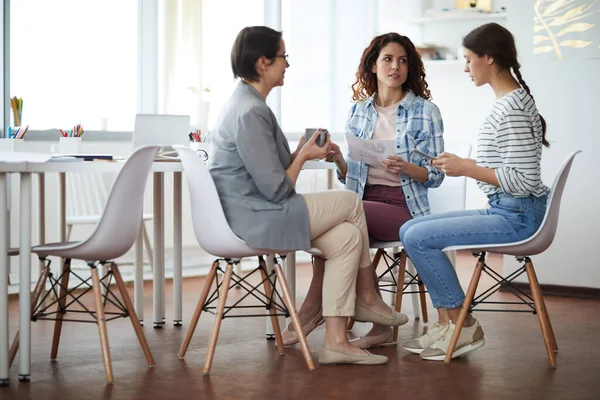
x: 161, y: 130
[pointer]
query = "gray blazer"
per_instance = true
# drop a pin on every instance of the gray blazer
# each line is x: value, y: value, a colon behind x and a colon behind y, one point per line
x: 249, y: 156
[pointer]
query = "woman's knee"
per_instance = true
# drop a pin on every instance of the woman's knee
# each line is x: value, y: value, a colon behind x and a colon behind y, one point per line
x: 350, y: 197
x: 405, y: 227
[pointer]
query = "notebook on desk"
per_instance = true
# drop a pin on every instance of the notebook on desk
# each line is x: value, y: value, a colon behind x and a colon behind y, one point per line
x: 161, y: 130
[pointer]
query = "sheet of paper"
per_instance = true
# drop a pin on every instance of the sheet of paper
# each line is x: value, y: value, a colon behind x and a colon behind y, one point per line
x: 369, y: 151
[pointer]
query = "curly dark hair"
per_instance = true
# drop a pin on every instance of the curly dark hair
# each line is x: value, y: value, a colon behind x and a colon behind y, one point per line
x: 366, y: 80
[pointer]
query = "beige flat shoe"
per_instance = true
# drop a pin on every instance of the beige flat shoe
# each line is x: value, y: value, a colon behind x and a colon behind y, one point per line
x: 289, y: 335
x: 330, y: 357
x: 370, y: 342
x: 362, y: 314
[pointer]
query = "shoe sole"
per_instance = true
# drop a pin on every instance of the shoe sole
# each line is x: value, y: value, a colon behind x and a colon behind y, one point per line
x: 463, y: 350
x: 414, y: 351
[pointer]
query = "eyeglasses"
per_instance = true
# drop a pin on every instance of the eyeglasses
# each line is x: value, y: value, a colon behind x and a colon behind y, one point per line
x: 284, y: 56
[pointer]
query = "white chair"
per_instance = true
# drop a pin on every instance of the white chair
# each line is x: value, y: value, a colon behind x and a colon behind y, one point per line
x: 451, y: 195
x: 87, y: 193
x: 522, y: 250
x: 216, y: 237
x: 114, y: 235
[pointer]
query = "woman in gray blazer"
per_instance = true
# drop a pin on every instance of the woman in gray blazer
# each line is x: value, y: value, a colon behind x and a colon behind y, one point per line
x: 255, y: 174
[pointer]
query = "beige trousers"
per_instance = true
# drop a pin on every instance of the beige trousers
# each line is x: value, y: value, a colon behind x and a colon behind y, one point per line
x: 338, y: 228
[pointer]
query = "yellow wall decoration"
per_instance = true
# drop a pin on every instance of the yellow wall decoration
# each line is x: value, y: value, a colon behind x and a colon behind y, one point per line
x: 566, y: 28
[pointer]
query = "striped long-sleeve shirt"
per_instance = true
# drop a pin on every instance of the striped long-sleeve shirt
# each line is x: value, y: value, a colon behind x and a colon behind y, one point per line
x: 510, y: 142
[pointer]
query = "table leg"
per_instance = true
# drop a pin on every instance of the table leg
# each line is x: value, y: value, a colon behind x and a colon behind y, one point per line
x: 158, y: 275
x: 177, y: 251
x: 138, y: 278
x: 4, y: 270
x: 25, y: 279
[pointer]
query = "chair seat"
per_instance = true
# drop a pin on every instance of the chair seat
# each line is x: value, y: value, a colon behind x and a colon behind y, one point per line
x: 54, y: 249
x: 517, y: 249
x: 91, y: 219
x: 385, y: 245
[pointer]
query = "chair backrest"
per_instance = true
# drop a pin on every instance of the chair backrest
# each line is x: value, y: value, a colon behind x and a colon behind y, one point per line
x: 120, y: 223
x: 210, y: 224
x: 545, y: 234
x: 87, y: 193
x: 451, y: 195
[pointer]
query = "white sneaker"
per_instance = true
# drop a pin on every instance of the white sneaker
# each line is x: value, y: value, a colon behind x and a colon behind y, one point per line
x: 471, y: 338
x: 432, y: 335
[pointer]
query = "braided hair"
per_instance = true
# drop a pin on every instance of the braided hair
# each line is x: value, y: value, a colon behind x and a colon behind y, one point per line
x: 496, y: 41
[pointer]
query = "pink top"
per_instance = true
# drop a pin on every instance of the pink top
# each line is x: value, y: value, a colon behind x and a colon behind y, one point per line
x: 385, y: 129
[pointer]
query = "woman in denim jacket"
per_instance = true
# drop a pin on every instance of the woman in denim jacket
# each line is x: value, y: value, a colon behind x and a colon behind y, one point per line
x: 391, y: 103
x: 507, y: 169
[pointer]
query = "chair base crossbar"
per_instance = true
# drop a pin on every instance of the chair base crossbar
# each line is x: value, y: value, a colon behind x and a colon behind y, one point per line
x: 68, y: 299
x: 269, y: 298
x: 398, y: 260
x: 274, y: 301
x: 507, y: 285
x: 534, y: 304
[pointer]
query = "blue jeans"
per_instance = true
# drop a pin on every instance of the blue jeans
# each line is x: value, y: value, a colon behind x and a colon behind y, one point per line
x: 508, y: 219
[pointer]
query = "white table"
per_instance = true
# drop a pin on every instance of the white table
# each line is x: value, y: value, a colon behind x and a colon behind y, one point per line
x: 25, y: 170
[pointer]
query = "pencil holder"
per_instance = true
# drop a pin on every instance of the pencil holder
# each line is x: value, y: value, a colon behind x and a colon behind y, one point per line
x: 12, y: 144
x: 69, y: 145
x: 201, y: 148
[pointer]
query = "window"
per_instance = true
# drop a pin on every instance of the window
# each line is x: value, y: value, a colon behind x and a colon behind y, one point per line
x: 222, y: 20
x: 75, y: 62
x: 325, y: 41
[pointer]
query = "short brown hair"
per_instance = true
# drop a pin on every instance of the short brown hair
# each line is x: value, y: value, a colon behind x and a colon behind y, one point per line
x: 250, y: 44
x: 366, y: 81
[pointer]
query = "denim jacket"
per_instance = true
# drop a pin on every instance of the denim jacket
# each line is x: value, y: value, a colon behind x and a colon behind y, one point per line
x: 419, y: 126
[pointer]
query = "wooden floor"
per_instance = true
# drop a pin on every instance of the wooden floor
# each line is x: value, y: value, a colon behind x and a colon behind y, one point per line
x: 512, y: 364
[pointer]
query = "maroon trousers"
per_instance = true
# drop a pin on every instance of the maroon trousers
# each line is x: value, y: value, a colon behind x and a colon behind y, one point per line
x: 385, y: 210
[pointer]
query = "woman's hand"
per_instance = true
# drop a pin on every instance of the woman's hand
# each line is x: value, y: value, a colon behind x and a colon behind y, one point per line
x: 395, y: 164
x: 311, y: 150
x: 335, y: 154
x: 301, y: 144
x: 451, y: 164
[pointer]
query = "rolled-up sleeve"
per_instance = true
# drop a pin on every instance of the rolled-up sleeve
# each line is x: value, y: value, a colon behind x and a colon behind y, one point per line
x: 257, y: 149
x: 348, y: 130
x: 434, y: 145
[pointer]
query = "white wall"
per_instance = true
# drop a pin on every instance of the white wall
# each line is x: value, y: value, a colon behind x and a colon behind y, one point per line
x: 567, y: 94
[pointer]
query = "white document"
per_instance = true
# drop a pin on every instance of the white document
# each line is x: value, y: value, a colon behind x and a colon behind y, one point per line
x: 370, y: 151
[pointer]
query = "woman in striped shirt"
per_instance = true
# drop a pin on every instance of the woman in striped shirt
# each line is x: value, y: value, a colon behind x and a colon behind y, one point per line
x: 507, y: 169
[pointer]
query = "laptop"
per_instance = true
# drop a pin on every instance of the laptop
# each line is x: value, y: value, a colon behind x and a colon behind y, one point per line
x: 161, y: 130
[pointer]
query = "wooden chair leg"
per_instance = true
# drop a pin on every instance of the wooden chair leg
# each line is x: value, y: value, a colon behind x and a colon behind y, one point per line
x: 62, y: 298
x: 465, y: 307
x: 101, y: 321
x: 218, y: 317
x: 295, y: 320
x: 399, y: 289
x: 544, y: 320
x: 350, y: 324
x: 549, y: 324
x: 203, y: 296
x: 422, y: 299
x: 147, y: 245
x: 35, y: 297
x: 137, y: 327
x: 272, y: 310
